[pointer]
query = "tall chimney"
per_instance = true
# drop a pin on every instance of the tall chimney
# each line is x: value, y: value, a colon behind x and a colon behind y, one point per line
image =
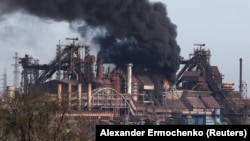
x: 100, y: 69
x: 129, y: 78
x: 240, y: 83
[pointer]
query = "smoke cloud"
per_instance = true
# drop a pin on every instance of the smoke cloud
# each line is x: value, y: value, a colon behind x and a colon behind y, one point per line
x: 137, y: 31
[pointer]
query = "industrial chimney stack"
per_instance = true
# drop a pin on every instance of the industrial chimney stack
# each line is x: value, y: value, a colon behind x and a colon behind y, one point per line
x: 240, y: 83
x: 129, y: 78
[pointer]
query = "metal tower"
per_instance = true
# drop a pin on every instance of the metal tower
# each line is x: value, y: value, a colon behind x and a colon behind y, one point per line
x: 16, y: 71
x: 4, y: 85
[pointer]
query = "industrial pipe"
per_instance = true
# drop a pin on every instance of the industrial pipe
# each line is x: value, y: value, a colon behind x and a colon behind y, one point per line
x: 59, y: 94
x: 69, y: 94
x: 89, y: 96
x: 129, y: 78
x: 134, y: 89
x: 79, y: 96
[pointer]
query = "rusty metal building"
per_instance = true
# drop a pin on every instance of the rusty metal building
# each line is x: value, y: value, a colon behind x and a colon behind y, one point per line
x: 199, y: 95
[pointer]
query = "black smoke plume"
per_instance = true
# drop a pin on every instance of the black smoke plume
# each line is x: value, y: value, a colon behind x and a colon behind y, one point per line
x: 138, y: 31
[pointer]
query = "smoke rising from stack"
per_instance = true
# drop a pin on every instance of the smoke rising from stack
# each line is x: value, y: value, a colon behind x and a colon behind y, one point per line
x: 137, y: 31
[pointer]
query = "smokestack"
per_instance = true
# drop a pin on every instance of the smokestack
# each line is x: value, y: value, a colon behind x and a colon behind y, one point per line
x: 79, y: 96
x: 100, y: 69
x: 129, y: 78
x: 240, y: 83
x: 134, y: 89
x: 89, y: 96
x: 59, y: 94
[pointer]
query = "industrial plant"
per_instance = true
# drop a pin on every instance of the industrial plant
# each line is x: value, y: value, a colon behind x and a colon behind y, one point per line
x: 94, y: 88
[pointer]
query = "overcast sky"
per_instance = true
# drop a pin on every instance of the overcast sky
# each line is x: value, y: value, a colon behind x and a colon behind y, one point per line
x: 222, y: 25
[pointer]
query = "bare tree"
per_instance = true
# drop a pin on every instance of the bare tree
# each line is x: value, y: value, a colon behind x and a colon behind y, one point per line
x: 34, y: 116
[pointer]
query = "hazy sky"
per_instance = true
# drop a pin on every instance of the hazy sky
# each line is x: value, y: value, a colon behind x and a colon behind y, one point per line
x: 223, y: 25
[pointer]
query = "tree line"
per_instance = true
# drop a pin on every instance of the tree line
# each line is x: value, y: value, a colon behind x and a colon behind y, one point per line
x: 35, y: 117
